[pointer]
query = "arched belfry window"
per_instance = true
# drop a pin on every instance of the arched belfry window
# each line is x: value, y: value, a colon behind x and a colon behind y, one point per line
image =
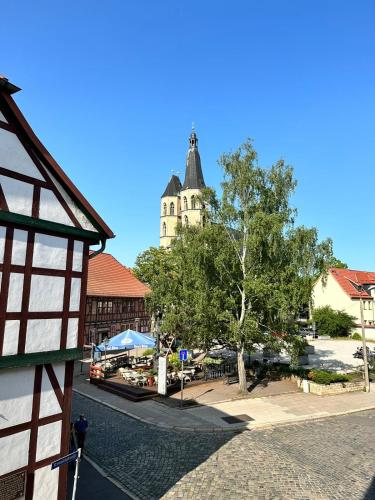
x: 185, y: 203
x: 164, y: 229
x: 171, y: 209
x: 165, y: 209
x: 193, y: 202
x: 186, y: 220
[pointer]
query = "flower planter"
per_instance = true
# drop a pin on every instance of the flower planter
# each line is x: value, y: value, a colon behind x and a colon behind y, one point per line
x: 335, y: 388
x: 309, y: 349
x: 303, y: 360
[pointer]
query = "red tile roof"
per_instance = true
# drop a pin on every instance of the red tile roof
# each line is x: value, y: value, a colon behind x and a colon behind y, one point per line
x: 346, y: 277
x: 107, y: 277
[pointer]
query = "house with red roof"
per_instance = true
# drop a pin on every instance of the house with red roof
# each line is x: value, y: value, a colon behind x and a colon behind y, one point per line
x: 342, y: 289
x: 115, y: 300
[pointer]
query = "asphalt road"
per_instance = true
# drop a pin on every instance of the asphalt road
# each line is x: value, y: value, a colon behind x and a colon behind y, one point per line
x: 317, y: 460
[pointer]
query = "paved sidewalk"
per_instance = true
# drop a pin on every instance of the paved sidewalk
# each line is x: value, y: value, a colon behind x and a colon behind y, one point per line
x: 262, y: 412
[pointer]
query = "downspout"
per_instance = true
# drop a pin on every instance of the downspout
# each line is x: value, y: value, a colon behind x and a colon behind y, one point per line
x: 101, y: 249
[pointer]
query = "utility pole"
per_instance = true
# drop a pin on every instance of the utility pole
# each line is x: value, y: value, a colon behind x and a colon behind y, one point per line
x: 364, y: 347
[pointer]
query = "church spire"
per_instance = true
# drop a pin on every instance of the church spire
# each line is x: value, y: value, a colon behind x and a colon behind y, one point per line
x: 193, y: 173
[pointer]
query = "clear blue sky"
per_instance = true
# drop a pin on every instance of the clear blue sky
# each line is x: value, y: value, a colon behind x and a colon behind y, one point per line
x: 112, y: 87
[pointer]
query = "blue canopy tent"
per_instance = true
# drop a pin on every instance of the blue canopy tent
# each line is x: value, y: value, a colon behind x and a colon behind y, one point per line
x: 127, y: 340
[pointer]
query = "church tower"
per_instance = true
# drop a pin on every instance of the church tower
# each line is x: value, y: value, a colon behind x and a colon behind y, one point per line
x: 180, y: 203
x: 191, y: 210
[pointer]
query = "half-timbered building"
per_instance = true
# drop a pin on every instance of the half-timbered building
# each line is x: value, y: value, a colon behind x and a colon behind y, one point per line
x: 46, y: 228
x: 115, y: 300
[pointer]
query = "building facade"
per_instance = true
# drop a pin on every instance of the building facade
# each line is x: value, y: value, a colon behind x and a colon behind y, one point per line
x: 342, y: 289
x: 180, y: 203
x: 115, y: 300
x: 46, y: 228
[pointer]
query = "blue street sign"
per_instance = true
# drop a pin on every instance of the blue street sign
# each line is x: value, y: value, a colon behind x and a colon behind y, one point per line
x: 183, y: 354
x: 65, y: 460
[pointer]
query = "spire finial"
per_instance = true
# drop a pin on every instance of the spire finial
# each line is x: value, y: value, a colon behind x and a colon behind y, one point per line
x: 192, y: 126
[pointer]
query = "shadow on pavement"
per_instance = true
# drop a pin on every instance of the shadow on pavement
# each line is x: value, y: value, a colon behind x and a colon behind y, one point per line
x: 147, y: 460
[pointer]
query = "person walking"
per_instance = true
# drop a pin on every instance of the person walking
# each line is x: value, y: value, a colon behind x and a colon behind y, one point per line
x: 80, y: 427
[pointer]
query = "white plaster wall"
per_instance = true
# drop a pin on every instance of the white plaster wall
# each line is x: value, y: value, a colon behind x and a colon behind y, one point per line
x: 19, y: 247
x: 2, y: 243
x: 14, y: 451
x: 48, y: 401
x: 16, y: 396
x: 72, y: 337
x: 46, y: 483
x: 77, y: 256
x: 14, y: 156
x: 43, y: 335
x: 81, y: 217
x: 75, y: 292
x: 18, y: 194
x: 59, y: 369
x: 11, y: 332
x: 51, y: 209
x: 50, y: 251
x: 46, y: 293
x: 2, y: 118
x: 49, y: 437
x: 15, y: 292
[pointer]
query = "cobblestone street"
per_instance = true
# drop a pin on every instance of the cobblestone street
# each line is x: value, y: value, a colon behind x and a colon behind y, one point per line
x: 325, y: 459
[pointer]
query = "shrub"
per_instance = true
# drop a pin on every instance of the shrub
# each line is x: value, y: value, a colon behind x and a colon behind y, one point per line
x: 356, y: 336
x: 212, y: 361
x: 333, y: 323
x: 325, y: 377
x: 149, y: 352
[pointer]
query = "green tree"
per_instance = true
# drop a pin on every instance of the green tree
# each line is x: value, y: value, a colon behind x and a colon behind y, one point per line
x: 333, y: 323
x: 276, y: 262
x: 337, y: 263
x: 247, y: 272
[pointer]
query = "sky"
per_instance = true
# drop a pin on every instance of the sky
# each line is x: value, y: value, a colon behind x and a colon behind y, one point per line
x: 112, y: 88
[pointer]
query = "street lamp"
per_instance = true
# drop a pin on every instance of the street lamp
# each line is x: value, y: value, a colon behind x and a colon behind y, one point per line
x: 364, y: 347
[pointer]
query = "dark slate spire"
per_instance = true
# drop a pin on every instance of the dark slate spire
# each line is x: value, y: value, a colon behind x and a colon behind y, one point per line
x: 173, y: 188
x: 193, y: 174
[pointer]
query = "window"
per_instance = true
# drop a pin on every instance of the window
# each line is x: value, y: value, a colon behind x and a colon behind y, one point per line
x: 365, y: 304
x: 100, y: 307
x: 164, y: 229
x: 165, y: 209
x: 109, y: 307
x: 171, y: 208
x: 193, y: 202
x: 185, y: 203
x: 369, y: 304
x: 186, y: 220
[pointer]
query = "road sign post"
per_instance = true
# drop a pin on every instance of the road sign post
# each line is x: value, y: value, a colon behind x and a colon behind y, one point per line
x: 75, y: 456
x: 183, y: 357
x: 76, y: 476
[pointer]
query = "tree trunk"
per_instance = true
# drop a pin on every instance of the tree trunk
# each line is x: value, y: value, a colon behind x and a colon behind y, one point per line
x: 241, y: 369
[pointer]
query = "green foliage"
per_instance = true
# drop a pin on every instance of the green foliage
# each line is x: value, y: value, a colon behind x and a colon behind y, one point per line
x: 149, y: 352
x: 337, y: 263
x: 356, y: 336
x: 212, y: 361
x: 326, y: 377
x: 333, y: 323
x: 174, y: 360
